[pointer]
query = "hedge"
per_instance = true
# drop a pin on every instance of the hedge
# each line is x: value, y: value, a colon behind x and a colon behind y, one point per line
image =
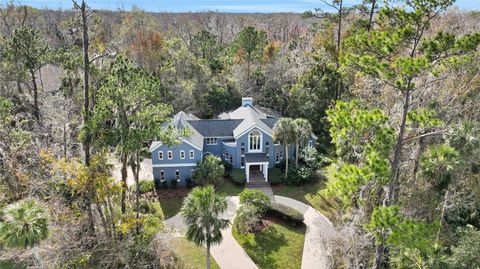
x: 275, y: 176
x: 146, y: 186
x: 292, y: 216
x: 238, y: 176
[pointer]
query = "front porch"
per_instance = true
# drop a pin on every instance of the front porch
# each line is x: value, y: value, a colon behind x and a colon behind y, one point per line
x: 256, y: 167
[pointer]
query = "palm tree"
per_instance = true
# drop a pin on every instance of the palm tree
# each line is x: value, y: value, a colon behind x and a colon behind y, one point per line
x: 303, y: 131
x: 24, y: 225
x: 201, y: 211
x: 209, y: 171
x: 284, y: 131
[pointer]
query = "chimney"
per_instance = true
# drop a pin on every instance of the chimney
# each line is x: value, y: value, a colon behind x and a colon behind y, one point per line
x: 247, y: 101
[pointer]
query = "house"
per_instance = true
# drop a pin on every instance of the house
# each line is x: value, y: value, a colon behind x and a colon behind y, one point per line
x: 243, y: 137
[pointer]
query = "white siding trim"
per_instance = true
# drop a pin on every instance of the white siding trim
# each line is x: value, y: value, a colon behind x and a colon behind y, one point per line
x: 173, y: 165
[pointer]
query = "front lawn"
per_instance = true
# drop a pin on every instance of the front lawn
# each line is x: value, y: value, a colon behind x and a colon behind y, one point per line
x: 309, y: 194
x: 276, y: 246
x: 191, y: 256
x: 171, y: 207
x: 228, y: 188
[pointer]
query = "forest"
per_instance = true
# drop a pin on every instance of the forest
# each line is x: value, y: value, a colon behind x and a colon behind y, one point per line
x: 392, y: 90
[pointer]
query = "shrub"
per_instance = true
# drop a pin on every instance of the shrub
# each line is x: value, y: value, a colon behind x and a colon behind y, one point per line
x: 228, y: 167
x: 151, y: 207
x: 275, y: 176
x: 173, y: 183
x: 298, y: 175
x: 146, y: 186
x: 255, y: 198
x: 189, y: 182
x: 292, y: 216
x: 247, y: 219
x: 238, y: 176
x: 157, y: 183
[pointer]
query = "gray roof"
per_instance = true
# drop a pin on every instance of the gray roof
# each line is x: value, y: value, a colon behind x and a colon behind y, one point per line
x: 215, y: 128
x: 270, y: 122
x: 180, y: 121
x: 251, y: 116
x: 256, y: 157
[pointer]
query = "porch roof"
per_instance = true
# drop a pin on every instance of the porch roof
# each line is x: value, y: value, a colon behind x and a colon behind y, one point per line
x: 256, y: 157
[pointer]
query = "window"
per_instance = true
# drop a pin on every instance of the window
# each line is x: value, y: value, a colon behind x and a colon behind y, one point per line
x: 211, y: 140
x: 191, y: 154
x: 281, y: 155
x: 231, y: 159
x: 162, y: 175
x: 242, y: 149
x: 267, y: 148
x: 310, y: 144
x: 170, y: 154
x: 182, y: 154
x: 242, y: 161
x: 192, y: 172
x: 160, y: 155
x: 254, y: 141
x: 226, y: 156
x: 177, y: 175
x: 277, y: 159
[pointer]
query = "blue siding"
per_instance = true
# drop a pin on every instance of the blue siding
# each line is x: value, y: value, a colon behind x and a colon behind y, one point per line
x: 185, y: 173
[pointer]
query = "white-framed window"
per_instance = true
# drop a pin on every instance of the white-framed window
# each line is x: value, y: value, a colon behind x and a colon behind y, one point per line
x: 177, y: 175
x: 226, y: 156
x: 169, y: 154
x: 211, y: 140
x: 242, y: 162
x: 242, y: 149
x: 281, y: 154
x: 267, y: 148
x: 160, y: 155
x: 182, y: 154
x: 310, y: 143
x: 231, y: 159
x: 191, y: 154
x: 277, y: 158
x: 162, y: 175
x: 255, y: 141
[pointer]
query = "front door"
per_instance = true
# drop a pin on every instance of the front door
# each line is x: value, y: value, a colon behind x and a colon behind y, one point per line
x: 255, y: 168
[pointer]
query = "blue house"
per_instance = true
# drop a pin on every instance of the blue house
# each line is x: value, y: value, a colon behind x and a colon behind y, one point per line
x: 243, y: 137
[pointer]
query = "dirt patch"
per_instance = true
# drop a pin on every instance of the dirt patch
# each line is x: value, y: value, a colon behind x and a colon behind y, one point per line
x: 166, y: 194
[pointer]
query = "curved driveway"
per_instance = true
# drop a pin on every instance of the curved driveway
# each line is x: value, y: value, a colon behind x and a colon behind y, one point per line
x: 230, y: 255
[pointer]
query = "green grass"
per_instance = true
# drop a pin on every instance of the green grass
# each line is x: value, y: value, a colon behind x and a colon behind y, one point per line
x: 277, y: 246
x: 191, y: 256
x: 171, y: 207
x: 309, y: 194
x: 228, y: 188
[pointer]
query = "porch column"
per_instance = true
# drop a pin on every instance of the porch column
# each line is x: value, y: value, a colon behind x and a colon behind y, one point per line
x: 265, y: 172
x: 247, y: 171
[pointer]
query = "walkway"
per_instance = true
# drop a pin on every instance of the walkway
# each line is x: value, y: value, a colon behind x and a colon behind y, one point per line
x: 230, y: 255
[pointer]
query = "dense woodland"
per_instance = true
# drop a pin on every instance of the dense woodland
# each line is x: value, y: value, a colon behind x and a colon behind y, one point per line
x: 392, y: 91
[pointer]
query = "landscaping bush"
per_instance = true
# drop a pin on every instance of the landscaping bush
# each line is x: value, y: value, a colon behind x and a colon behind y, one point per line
x: 238, y: 176
x: 247, y: 219
x: 151, y: 207
x: 173, y: 183
x: 157, y: 183
x: 292, y: 216
x: 275, y: 176
x: 255, y: 198
x: 189, y: 182
x: 298, y: 175
x: 228, y: 168
x: 146, y: 186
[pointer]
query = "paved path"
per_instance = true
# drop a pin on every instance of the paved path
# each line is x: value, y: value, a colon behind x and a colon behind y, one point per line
x: 230, y: 255
x: 320, y: 232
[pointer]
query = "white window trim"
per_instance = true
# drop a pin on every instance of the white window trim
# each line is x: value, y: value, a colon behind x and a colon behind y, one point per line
x: 207, y: 139
x: 182, y: 154
x: 174, y: 165
x: 162, y: 172
x: 177, y: 172
x: 191, y: 154
x: 169, y: 155
x: 260, y: 142
x: 310, y: 143
x: 277, y: 158
x: 160, y: 153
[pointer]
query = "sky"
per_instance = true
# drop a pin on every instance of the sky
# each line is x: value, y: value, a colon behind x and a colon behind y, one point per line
x: 235, y: 6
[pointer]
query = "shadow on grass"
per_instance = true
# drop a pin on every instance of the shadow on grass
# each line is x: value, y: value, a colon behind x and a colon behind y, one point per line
x: 265, y: 243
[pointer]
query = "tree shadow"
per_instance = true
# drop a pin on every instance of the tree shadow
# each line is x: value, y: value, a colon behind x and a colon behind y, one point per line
x: 265, y: 243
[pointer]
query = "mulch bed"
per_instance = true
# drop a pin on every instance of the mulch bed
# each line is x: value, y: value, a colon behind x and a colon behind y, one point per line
x: 267, y: 221
x: 166, y: 194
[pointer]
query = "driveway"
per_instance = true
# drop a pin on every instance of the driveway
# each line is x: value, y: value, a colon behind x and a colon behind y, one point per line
x: 230, y: 255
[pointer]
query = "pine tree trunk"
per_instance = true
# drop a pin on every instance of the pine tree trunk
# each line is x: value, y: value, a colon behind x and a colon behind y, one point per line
x: 35, y: 95
x: 442, y: 215
x: 370, y: 20
x: 123, y: 159
x: 135, y: 171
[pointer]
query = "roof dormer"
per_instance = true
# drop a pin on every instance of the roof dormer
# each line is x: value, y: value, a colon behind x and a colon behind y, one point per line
x: 247, y: 101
